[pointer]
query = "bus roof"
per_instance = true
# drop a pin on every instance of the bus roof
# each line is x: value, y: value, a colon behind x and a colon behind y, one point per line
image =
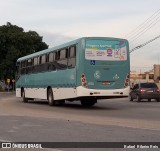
x: 62, y: 46
x: 48, y: 50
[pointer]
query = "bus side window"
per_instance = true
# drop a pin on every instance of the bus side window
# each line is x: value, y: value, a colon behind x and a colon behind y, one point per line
x: 43, y: 66
x: 35, y: 63
x: 61, y: 62
x: 18, y: 71
x: 57, y: 55
x: 43, y: 59
x: 18, y: 66
x: 72, y: 51
x: 51, y: 60
x: 50, y: 57
x: 23, y: 67
x: 72, y: 57
x: 29, y: 66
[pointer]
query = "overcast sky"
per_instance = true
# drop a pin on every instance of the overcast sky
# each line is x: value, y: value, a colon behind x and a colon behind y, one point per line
x: 59, y: 21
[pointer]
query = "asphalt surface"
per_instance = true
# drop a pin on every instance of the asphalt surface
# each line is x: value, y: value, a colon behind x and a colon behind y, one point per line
x: 116, y: 120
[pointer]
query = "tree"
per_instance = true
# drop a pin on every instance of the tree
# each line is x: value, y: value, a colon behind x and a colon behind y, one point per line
x: 15, y: 43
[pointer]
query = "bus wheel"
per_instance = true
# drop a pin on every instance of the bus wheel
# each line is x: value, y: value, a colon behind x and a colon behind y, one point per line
x: 88, y: 103
x: 51, y: 100
x: 25, y: 100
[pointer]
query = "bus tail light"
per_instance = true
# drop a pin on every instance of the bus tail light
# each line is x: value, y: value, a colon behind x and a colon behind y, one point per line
x: 84, y: 81
x: 126, y: 84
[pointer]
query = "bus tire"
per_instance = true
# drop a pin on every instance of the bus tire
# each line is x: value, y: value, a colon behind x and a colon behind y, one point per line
x: 25, y: 100
x: 88, y: 103
x: 50, y: 97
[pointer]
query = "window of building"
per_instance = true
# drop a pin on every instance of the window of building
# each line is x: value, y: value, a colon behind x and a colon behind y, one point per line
x: 151, y: 76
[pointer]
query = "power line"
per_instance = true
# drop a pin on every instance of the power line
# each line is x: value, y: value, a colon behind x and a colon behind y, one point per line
x: 142, y: 45
x: 133, y: 32
x: 146, y: 29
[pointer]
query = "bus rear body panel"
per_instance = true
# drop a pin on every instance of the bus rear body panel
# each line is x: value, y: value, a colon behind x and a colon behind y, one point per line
x: 106, y: 68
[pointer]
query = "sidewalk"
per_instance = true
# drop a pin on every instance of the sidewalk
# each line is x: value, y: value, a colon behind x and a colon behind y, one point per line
x: 12, y: 92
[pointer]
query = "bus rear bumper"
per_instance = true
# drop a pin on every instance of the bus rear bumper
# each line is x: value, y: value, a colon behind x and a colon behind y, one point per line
x: 84, y: 92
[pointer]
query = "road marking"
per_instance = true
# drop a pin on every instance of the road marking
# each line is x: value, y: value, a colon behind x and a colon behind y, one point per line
x: 31, y: 125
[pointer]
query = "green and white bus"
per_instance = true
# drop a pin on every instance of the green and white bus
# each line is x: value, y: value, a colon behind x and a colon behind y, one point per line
x: 85, y: 69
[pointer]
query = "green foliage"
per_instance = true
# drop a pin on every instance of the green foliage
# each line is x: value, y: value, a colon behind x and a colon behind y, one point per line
x: 1, y: 89
x: 15, y: 43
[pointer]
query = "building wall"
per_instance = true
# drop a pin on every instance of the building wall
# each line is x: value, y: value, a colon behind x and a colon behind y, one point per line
x: 136, y: 77
x: 156, y: 72
x: 151, y: 76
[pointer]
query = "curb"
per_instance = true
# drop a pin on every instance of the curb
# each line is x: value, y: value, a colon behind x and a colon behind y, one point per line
x: 8, y: 92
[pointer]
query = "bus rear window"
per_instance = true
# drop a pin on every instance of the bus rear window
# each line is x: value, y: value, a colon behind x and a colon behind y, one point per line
x: 106, y: 50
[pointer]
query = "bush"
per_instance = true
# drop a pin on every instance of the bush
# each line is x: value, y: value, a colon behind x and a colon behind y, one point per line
x: 1, y: 89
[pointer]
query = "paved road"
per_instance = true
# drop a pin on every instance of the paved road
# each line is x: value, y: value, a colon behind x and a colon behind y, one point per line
x: 116, y: 120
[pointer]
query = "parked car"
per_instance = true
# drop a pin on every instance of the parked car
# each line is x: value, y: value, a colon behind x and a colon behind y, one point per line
x: 145, y: 91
